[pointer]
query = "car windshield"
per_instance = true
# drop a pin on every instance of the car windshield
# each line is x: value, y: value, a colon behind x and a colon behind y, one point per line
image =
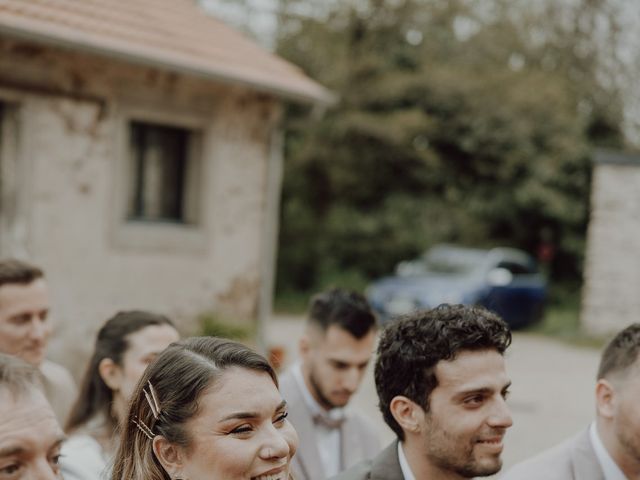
x: 444, y: 261
x: 453, y: 261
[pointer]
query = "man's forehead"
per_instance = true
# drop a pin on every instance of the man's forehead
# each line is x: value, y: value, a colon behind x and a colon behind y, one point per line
x: 337, y: 338
x: 26, y: 415
x: 16, y: 294
x: 472, y: 369
x: 29, y: 398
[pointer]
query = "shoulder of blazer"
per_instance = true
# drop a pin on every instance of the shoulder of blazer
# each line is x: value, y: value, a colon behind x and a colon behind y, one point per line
x: 573, y: 459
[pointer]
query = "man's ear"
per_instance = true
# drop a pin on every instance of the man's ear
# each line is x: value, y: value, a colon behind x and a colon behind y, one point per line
x: 169, y: 455
x: 110, y: 373
x: 605, y: 399
x: 304, y: 345
x: 408, y: 414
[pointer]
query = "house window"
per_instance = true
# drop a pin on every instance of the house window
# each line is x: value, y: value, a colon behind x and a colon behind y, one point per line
x: 163, y: 183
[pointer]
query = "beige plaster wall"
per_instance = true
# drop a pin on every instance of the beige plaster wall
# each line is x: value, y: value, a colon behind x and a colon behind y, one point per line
x: 71, y: 110
x: 611, y: 292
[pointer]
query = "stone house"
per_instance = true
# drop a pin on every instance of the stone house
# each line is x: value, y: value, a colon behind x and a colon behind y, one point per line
x: 140, y: 159
x: 610, y: 299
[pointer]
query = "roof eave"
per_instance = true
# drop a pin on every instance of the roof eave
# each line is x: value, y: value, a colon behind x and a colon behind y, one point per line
x: 322, y: 98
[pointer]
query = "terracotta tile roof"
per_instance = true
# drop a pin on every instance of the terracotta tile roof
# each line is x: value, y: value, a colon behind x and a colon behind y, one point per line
x: 173, y: 34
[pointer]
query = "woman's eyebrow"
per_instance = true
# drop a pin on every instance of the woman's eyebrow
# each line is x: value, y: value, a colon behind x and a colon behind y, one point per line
x: 245, y: 415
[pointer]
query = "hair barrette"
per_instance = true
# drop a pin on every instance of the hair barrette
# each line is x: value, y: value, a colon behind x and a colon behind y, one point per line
x: 152, y: 400
x: 143, y: 428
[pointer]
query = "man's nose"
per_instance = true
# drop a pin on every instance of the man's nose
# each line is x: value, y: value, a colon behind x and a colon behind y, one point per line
x: 43, y: 471
x: 39, y: 328
x: 351, y: 379
x: 501, y: 414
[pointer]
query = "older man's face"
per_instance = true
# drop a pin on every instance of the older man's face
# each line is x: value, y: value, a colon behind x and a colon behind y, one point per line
x: 24, y: 325
x: 30, y: 437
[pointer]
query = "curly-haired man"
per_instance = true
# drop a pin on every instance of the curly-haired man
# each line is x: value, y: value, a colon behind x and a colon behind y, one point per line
x: 442, y: 384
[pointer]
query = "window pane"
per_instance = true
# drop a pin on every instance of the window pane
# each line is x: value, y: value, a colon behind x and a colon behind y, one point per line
x: 159, y: 156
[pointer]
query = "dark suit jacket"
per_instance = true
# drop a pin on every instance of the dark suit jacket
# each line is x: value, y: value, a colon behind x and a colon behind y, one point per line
x: 385, y: 466
x: 574, y: 459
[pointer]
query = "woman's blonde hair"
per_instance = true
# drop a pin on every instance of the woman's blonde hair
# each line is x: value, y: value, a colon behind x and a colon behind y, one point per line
x: 175, y: 383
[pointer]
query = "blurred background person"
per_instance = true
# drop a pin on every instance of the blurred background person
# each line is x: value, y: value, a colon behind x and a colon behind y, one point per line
x: 126, y: 344
x: 208, y: 408
x: 30, y: 436
x: 335, y: 350
x: 25, y: 329
x: 609, y: 449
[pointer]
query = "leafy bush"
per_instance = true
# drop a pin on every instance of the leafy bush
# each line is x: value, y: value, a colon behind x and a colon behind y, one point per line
x: 215, y: 325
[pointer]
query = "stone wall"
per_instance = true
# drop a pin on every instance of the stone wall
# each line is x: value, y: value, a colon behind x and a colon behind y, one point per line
x: 66, y: 208
x: 611, y: 292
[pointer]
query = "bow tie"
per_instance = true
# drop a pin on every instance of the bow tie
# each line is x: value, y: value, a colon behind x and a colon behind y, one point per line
x: 327, y: 421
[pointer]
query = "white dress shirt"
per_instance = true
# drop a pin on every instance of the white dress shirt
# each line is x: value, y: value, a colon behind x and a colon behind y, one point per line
x: 609, y: 467
x: 328, y: 439
x: 404, y: 465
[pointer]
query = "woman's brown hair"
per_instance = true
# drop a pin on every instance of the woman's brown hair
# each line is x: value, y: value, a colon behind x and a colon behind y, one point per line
x: 176, y: 380
x: 95, y: 397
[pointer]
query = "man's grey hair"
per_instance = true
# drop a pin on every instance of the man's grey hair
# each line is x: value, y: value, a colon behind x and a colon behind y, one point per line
x: 17, y: 376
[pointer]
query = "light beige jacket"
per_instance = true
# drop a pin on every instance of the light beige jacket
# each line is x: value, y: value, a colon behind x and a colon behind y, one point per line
x: 574, y: 459
x: 359, y: 438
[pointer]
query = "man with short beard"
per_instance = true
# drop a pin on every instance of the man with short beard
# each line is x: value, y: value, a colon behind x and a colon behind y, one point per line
x: 609, y: 449
x: 334, y: 351
x: 441, y: 381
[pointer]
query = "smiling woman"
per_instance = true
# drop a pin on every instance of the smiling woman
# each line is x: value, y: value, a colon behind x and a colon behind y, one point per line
x: 207, y: 408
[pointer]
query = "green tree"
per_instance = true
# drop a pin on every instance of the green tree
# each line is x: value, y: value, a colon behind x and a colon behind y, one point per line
x: 455, y: 123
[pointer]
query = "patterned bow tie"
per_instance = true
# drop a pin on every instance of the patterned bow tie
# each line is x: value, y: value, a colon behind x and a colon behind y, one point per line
x: 328, y: 421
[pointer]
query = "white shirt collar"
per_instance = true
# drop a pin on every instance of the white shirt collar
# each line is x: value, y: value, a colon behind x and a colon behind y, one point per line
x: 316, y: 409
x: 404, y: 465
x: 328, y: 440
x: 609, y: 466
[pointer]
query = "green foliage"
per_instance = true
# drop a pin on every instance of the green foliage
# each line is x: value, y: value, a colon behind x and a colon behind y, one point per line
x: 214, y: 325
x: 455, y: 123
x: 562, y: 319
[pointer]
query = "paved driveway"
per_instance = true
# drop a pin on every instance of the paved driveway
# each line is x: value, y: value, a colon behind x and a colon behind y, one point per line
x: 551, y: 397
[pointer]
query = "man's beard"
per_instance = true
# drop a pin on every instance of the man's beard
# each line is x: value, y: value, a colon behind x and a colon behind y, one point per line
x: 447, y: 453
x: 468, y: 469
x: 318, y: 393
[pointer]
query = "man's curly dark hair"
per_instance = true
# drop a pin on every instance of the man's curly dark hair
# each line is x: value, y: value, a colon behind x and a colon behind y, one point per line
x: 411, y: 346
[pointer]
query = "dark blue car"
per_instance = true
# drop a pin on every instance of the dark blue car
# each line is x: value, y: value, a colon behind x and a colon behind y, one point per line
x: 504, y: 280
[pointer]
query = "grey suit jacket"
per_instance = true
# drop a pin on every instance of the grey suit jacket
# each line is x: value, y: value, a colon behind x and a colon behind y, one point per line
x: 386, y: 466
x: 574, y: 459
x: 359, y: 438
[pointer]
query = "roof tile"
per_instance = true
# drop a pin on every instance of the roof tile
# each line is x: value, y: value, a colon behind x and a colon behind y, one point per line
x: 173, y: 34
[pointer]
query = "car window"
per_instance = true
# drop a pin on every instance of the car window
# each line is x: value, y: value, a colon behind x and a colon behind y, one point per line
x: 517, y: 268
x: 453, y: 261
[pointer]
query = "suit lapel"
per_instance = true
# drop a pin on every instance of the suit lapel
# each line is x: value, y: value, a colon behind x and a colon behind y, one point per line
x: 300, y: 417
x: 386, y: 465
x: 584, y: 460
x: 351, y: 444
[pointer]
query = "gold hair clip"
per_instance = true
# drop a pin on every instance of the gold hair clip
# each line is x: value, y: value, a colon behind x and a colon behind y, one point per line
x: 143, y: 428
x: 152, y: 400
